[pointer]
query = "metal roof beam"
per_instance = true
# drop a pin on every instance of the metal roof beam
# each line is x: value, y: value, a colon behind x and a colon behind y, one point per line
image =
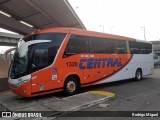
x: 72, y: 10
x: 32, y: 15
x: 4, y: 1
x: 46, y: 24
x: 73, y: 25
x: 29, y: 2
x: 12, y: 29
x: 17, y: 18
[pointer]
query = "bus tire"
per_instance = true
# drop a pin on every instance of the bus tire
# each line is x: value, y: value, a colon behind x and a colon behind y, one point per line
x: 71, y: 86
x: 138, y: 75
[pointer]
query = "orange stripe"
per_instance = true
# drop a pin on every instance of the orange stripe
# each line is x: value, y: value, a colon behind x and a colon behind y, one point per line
x: 86, y: 84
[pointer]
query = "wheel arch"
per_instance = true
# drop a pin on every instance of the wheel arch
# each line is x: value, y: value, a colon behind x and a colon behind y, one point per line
x: 75, y: 76
x: 139, y: 68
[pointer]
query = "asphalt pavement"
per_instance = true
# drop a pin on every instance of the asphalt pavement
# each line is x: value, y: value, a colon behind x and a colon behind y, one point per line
x: 131, y: 95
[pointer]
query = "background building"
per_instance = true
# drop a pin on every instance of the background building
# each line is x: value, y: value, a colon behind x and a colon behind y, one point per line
x: 156, y: 47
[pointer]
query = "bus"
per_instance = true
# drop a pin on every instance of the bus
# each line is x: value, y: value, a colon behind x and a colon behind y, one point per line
x: 66, y: 59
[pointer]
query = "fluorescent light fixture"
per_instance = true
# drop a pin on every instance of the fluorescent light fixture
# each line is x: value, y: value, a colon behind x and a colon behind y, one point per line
x: 4, y: 13
x: 25, y: 23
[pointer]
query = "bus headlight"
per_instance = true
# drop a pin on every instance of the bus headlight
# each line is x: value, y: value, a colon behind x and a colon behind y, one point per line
x: 22, y: 82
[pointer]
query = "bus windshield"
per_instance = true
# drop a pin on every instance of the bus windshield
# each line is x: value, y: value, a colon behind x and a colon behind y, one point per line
x: 34, y: 53
x: 19, y: 63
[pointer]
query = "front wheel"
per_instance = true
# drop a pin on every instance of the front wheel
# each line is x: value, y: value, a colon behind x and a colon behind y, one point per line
x: 71, y: 86
x: 138, y: 75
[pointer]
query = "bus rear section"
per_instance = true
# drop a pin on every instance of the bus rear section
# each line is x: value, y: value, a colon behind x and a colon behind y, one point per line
x: 52, y: 61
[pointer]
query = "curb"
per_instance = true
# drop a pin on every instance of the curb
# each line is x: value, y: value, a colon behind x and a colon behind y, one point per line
x: 63, y: 113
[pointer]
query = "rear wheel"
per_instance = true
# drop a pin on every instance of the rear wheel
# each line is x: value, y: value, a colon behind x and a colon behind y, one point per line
x: 138, y: 75
x: 71, y: 86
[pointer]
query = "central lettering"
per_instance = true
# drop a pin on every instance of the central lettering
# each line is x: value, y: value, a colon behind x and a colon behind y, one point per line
x: 90, y: 63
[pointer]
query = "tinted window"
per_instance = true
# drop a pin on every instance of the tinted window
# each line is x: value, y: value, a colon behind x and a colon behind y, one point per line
x: 140, y: 48
x: 40, y: 57
x: 76, y: 45
x: 30, y: 37
x: 111, y: 46
x: 30, y: 57
x: 121, y: 47
x: 116, y: 47
x: 97, y: 45
x: 148, y: 48
x: 45, y: 36
x: 43, y: 55
x: 134, y: 48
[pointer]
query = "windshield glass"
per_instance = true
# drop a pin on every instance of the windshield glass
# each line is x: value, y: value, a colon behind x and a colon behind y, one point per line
x: 35, y: 52
x: 19, y: 64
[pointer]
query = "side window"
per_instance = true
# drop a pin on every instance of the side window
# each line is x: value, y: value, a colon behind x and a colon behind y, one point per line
x: 131, y: 47
x: 140, y: 48
x: 148, y: 48
x: 56, y: 38
x: 39, y: 56
x: 59, y: 37
x: 121, y: 47
x: 111, y: 47
x: 43, y: 55
x: 76, y: 45
x: 97, y: 45
x: 134, y: 48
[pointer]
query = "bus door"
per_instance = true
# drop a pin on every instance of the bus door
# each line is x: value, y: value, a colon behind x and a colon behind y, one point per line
x: 40, y: 80
x: 42, y: 57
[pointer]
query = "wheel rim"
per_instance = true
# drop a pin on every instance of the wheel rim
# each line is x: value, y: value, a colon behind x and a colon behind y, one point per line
x: 138, y: 75
x: 71, y: 86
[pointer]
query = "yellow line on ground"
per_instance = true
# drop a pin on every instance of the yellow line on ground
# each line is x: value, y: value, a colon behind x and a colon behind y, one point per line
x: 109, y: 94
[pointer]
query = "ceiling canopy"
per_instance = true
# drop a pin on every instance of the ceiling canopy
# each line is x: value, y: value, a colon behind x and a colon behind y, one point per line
x: 25, y: 16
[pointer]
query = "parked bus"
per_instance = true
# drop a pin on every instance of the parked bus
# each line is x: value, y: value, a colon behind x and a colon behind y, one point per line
x: 65, y: 59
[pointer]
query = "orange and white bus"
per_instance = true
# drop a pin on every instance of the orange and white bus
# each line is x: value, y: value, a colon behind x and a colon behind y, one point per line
x: 65, y: 59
